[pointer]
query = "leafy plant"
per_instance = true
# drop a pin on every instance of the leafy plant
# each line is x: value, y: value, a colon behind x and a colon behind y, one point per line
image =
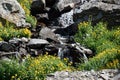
x: 110, y: 58
x: 97, y: 37
x: 31, y: 69
x: 103, y: 42
x: 26, y: 6
x: 7, y: 33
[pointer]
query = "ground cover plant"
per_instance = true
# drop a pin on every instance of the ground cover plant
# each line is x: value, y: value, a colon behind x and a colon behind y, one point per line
x: 104, y: 43
x: 32, y: 68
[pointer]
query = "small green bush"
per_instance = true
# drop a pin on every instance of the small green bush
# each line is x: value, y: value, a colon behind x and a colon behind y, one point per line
x: 103, y: 42
x: 31, y: 69
x: 97, y: 38
x: 108, y: 59
x: 7, y: 33
x: 26, y: 6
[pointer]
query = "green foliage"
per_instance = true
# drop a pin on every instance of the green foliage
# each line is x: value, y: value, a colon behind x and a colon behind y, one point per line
x: 102, y: 42
x: 31, y: 19
x: 7, y: 33
x: 110, y: 58
x: 97, y: 38
x: 31, y: 69
x: 26, y: 6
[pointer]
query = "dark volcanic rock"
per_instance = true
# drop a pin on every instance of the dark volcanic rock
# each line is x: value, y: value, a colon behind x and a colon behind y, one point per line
x: 98, y: 11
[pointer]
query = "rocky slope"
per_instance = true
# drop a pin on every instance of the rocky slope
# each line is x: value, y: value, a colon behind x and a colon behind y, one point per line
x: 56, y: 25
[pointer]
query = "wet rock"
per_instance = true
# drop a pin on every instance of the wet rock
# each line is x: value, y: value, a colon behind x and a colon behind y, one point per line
x: 13, y: 12
x: 37, y: 43
x: 98, y: 11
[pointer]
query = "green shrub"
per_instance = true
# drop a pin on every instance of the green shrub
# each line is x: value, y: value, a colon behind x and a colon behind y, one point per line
x: 7, y: 33
x: 26, y: 6
x: 97, y: 38
x: 110, y: 58
x: 31, y: 69
x: 103, y: 42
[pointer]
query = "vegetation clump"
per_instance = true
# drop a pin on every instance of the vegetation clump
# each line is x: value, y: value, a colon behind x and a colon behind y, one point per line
x: 32, y: 68
x: 103, y: 42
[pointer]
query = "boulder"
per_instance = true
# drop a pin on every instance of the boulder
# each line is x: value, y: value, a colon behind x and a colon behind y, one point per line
x: 13, y: 12
x: 47, y: 33
x: 7, y: 47
x: 98, y: 11
x: 68, y: 31
x: 37, y: 43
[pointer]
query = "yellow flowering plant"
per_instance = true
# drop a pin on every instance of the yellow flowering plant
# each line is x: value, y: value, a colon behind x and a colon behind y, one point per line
x: 26, y: 6
x: 109, y: 59
x: 104, y: 43
x: 32, y: 68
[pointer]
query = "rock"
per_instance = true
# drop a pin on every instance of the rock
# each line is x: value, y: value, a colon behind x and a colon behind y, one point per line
x: 22, y: 52
x: 66, y: 19
x: 98, y: 11
x: 7, y: 47
x: 5, y: 58
x: 8, y: 54
x: 47, y: 33
x: 84, y: 75
x: 13, y: 12
x: 37, y: 43
x: 38, y: 6
x: 23, y: 39
x: 68, y: 31
x: 51, y: 49
x: 57, y: 7
x: 108, y: 1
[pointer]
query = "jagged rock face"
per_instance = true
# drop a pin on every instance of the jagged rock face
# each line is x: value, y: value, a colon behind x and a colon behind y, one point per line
x: 13, y: 12
x: 98, y: 11
x: 107, y: 74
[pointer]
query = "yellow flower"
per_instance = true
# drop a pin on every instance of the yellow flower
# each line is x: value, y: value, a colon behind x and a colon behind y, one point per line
x: 18, y: 78
x: 16, y: 75
x: 13, y: 77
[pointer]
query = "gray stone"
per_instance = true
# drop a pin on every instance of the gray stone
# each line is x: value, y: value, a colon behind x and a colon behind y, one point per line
x: 5, y: 58
x: 98, y: 11
x: 13, y: 12
x: 47, y: 33
x: 23, y: 39
x: 108, y: 1
x: 84, y: 75
x: 37, y: 43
